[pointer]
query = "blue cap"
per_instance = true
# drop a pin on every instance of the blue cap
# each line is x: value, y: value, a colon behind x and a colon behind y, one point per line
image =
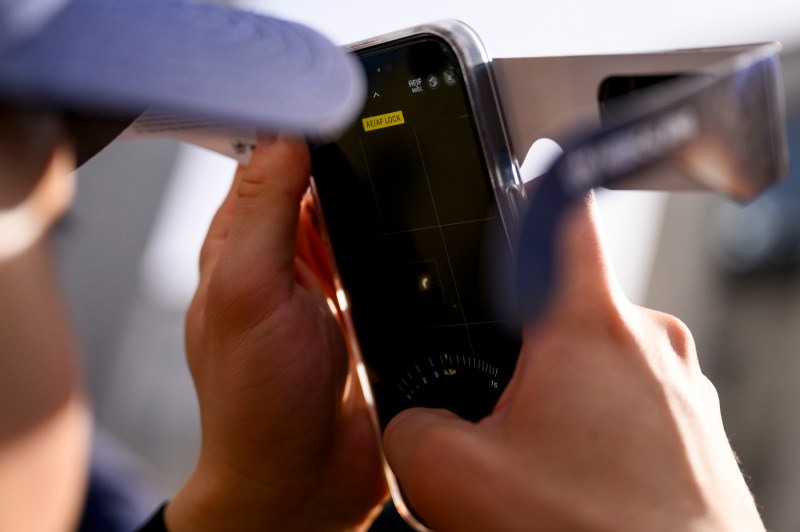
x: 205, y: 61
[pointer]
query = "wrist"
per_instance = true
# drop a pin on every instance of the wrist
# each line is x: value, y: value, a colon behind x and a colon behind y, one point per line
x: 218, y: 498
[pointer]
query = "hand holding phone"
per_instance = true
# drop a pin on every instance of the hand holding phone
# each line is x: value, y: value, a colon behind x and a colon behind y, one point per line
x: 285, y: 445
x: 607, y: 424
x: 420, y: 201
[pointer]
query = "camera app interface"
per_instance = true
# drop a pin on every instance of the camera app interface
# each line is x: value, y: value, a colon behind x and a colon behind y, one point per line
x: 412, y: 220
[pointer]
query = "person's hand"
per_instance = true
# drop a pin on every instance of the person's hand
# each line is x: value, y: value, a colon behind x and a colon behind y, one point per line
x: 607, y: 424
x: 286, y: 438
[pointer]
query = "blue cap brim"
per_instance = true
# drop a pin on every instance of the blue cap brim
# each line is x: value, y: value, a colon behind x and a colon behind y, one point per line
x: 211, y: 62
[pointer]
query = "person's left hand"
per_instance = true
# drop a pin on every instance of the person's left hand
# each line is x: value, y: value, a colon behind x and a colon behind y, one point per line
x: 286, y: 438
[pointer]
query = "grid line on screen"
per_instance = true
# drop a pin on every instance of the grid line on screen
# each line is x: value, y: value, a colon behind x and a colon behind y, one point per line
x: 444, y: 242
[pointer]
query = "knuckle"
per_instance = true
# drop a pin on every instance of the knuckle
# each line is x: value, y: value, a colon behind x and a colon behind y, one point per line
x: 251, y: 184
x: 680, y: 337
x: 677, y: 334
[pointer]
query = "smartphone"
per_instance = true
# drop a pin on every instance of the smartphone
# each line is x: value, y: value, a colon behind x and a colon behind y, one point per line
x: 418, y: 203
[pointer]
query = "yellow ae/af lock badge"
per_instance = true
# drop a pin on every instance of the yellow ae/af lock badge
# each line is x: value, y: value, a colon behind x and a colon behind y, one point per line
x: 372, y: 123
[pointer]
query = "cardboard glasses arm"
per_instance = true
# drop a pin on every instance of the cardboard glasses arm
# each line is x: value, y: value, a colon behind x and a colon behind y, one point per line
x: 722, y: 130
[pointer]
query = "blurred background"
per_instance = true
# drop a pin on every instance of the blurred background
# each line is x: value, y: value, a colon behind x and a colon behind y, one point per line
x: 128, y: 249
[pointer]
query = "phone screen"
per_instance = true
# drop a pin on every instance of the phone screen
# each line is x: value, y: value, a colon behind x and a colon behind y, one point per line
x: 414, y: 228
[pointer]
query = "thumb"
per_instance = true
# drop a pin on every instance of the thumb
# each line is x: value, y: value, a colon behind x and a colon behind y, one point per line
x: 264, y: 226
x: 435, y: 456
x: 255, y: 269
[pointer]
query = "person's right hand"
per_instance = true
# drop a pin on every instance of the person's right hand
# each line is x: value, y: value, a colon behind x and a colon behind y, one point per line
x: 607, y: 424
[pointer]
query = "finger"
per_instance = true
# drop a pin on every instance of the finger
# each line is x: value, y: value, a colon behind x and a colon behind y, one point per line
x: 310, y: 247
x: 259, y: 250
x: 409, y: 434
x: 431, y: 452
x: 218, y: 228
